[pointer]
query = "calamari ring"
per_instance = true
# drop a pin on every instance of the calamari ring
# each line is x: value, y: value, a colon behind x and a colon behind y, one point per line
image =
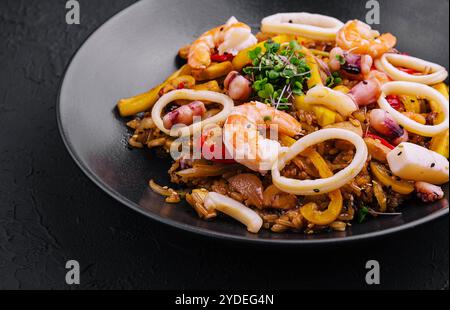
x: 320, y: 186
x: 420, y: 90
x: 189, y: 94
x: 310, y: 26
x: 388, y: 62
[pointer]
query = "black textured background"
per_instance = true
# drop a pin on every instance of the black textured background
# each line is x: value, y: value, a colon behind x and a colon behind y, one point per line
x: 50, y: 212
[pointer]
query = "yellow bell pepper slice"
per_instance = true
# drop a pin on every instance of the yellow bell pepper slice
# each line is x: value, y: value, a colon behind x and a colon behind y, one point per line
x: 440, y: 144
x: 324, y: 115
x: 343, y: 89
x: 315, y: 78
x: 380, y: 196
x: 320, y: 53
x: 310, y: 211
x: 214, y: 71
x: 144, y: 102
x: 286, y: 140
x: 241, y: 60
x: 300, y: 104
x: 418, y: 118
x: 210, y: 86
x: 411, y: 103
x: 383, y: 176
x: 443, y: 89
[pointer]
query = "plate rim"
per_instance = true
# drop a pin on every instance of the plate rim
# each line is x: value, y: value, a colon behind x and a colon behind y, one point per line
x: 200, y: 230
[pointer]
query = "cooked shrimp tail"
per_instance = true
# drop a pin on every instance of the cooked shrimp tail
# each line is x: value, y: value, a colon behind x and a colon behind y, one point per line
x: 244, y: 141
x: 230, y: 38
x: 359, y: 38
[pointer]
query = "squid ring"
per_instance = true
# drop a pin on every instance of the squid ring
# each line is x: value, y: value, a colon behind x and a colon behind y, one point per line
x: 189, y: 94
x: 310, y: 26
x: 320, y: 186
x: 388, y: 62
x: 420, y: 90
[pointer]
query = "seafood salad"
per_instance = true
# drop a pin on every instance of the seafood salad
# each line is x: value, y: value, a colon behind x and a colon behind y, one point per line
x: 309, y: 125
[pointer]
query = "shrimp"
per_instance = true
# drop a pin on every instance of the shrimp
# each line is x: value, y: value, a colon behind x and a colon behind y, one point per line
x: 381, y: 77
x: 359, y: 38
x: 246, y: 144
x: 230, y: 38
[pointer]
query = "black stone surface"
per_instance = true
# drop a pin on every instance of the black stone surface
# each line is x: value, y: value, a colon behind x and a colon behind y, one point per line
x: 50, y: 212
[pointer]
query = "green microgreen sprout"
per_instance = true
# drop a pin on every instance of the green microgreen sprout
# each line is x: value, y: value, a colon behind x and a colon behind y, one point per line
x: 278, y: 72
x: 341, y: 59
x: 362, y: 214
x: 333, y: 80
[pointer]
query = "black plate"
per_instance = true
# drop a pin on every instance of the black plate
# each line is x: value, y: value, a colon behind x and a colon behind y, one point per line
x: 136, y: 50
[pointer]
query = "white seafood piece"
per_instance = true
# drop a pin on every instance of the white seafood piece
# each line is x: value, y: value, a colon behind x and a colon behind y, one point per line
x: 234, y: 209
x: 413, y: 162
x: 433, y: 73
x: 311, y: 26
x: 320, y: 186
x: 332, y: 99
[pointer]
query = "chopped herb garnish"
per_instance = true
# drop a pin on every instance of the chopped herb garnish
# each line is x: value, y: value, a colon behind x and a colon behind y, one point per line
x: 334, y: 80
x: 278, y: 73
x: 341, y: 59
x: 362, y: 214
x: 294, y: 46
x: 267, y: 118
x: 266, y: 91
x: 254, y: 54
x: 283, y: 107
